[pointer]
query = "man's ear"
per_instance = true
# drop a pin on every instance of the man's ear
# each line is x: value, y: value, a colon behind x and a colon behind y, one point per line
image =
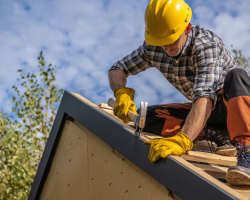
x: 188, y: 29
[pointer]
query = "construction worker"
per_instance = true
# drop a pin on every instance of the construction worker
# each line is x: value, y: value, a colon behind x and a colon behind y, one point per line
x: 196, y: 62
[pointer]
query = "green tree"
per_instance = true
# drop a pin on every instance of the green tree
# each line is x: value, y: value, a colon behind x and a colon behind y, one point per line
x: 35, y: 106
x: 14, y: 168
x: 241, y: 60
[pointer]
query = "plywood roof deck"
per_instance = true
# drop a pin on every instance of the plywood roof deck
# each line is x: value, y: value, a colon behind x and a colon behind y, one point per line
x: 86, y: 167
x: 181, y: 175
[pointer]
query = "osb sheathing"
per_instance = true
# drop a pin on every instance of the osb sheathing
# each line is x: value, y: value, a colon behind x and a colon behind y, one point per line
x: 85, y: 167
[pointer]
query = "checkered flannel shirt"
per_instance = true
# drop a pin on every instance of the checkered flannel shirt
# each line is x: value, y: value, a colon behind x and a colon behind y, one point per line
x: 198, y: 72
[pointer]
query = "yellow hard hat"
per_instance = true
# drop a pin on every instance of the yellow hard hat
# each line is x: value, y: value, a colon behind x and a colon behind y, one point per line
x: 165, y: 21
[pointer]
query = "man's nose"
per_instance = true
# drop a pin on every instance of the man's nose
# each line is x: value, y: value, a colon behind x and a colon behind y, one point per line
x: 166, y: 48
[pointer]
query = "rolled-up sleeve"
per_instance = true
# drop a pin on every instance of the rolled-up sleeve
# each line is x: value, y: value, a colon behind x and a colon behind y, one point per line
x: 135, y: 62
x: 208, y: 70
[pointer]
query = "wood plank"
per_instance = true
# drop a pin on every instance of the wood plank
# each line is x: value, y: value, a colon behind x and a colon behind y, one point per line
x: 210, y: 158
x: 210, y: 178
x: 213, y: 170
x: 243, y: 190
x: 220, y: 172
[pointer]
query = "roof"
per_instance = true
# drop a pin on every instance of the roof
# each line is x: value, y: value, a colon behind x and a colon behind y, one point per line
x: 174, y: 172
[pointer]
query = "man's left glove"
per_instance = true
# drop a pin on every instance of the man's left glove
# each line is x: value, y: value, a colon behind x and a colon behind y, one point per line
x: 176, y: 145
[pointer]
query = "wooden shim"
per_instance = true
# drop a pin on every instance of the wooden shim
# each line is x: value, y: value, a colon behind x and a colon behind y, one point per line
x: 210, y: 158
x: 213, y: 170
x: 202, y: 145
x: 151, y: 136
x: 105, y: 106
x: 108, y: 111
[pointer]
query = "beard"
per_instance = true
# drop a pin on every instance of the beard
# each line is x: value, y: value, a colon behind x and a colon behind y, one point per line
x: 173, y: 53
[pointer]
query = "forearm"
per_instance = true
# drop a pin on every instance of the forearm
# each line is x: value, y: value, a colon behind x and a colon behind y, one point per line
x: 117, y: 79
x: 197, y: 117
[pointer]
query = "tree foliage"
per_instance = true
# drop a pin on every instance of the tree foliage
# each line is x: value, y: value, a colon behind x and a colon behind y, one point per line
x: 22, y: 141
x: 241, y: 60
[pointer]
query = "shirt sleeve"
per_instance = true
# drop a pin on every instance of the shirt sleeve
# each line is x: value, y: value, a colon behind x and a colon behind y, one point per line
x: 135, y: 62
x: 207, y: 73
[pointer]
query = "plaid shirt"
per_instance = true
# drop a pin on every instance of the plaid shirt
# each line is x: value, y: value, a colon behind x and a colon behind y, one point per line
x: 198, y: 72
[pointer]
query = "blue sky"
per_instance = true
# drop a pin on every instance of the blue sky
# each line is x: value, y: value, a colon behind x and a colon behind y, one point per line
x: 84, y: 38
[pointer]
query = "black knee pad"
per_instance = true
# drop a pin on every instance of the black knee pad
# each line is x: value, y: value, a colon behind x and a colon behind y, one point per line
x: 237, y: 83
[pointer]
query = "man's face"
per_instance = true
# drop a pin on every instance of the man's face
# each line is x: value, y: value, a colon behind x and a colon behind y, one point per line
x: 175, y: 48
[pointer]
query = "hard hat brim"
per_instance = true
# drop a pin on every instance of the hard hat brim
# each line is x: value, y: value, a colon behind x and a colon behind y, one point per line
x: 166, y: 40
x: 161, y: 41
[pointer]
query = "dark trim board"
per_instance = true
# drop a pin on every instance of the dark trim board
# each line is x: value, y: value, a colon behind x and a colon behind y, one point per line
x: 177, y: 177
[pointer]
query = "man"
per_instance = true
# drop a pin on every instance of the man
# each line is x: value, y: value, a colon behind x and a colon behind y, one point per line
x: 196, y: 62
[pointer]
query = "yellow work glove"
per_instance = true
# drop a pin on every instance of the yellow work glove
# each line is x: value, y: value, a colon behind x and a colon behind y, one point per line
x: 124, y: 102
x: 176, y: 145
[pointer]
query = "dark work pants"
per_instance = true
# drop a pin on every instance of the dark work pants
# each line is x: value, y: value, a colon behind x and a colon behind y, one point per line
x: 232, y: 110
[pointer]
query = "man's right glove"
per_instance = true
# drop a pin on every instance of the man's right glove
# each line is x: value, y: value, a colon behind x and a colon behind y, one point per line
x: 176, y: 145
x: 124, y: 102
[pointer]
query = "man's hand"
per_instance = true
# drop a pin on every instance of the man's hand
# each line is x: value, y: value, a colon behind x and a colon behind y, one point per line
x: 176, y: 145
x: 124, y: 102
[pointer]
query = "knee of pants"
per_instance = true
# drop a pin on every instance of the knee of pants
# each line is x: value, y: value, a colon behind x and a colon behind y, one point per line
x: 237, y: 83
x: 235, y: 73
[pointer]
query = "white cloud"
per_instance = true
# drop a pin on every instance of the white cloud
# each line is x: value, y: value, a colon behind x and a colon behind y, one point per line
x: 229, y: 19
x: 84, y: 38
